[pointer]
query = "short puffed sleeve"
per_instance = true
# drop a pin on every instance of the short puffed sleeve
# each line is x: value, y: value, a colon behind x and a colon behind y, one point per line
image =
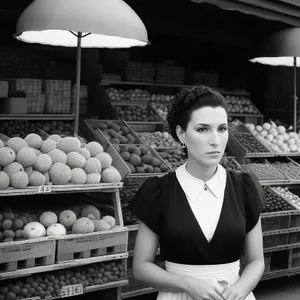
x: 146, y: 204
x: 254, y: 200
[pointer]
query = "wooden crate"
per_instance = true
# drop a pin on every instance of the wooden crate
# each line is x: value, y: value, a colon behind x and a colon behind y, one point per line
x: 154, y: 154
x: 78, y: 246
x: 276, y: 239
x: 146, y: 126
x: 132, y: 234
x: 27, y: 254
x: 98, y: 136
x: 275, y: 221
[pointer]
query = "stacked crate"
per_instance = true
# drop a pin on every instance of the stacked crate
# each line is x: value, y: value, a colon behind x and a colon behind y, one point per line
x: 169, y: 74
x: 33, y: 91
x: 58, y: 96
x: 210, y: 79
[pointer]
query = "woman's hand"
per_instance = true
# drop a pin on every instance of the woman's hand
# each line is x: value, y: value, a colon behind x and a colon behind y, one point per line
x: 201, y: 290
x: 233, y: 293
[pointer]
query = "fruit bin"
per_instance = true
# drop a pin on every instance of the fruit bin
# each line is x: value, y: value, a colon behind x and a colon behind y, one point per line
x: 295, y: 258
x: 275, y: 239
x: 61, y: 283
x: 98, y: 136
x: 138, y: 112
x: 288, y: 167
x: 130, y: 187
x: 264, y: 171
x: 31, y: 253
x: 144, y: 127
x: 275, y: 202
x: 277, y: 264
x: 78, y: 246
x: 229, y: 163
x: 289, y: 194
x: 174, y: 157
x: 135, y: 156
x: 252, y: 146
x: 115, y: 131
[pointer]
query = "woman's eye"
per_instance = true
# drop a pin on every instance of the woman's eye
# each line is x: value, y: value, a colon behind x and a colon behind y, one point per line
x: 222, y: 129
x: 202, y: 129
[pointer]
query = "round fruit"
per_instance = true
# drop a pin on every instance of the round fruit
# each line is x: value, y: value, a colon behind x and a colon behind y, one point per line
x: 48, y: 218
x: 67, y: 218
x: 56, y: 230
x: 34, y: 230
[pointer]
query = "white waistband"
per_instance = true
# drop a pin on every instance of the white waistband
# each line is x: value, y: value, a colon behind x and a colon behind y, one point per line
x: 222, y: 272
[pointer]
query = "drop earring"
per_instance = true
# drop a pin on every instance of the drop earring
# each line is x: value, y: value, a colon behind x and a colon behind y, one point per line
x: 182, y: 145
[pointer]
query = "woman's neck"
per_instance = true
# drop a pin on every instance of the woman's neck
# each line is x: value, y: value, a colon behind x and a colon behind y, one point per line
x: 200, y: 172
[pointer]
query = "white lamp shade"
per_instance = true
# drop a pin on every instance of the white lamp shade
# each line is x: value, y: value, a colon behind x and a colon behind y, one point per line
x: 111, y: 24
x: 279, y: 48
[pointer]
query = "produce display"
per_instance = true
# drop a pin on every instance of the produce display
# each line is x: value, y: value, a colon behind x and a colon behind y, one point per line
x: 250, y: 143
x: 235, y: 126
x: 289, y: 196
x: 21, y: 128
x: 240, y: 105
x: 174, y: 156
x: 58, y: 161
x: 116, y: 94
x: 49, y: 284
x: 128, y: 95
x: 126, y: 194
x: 290, y: 169
x: 262, y: 170
x: 157, y: 139
x: 231, y: 164
x: 139, y: 159
x: 136, y: 113
x: 21, y: 224
x: 276, y: 137
x: 116, y: 132
x: 159, y: 102
x: 274, y: 202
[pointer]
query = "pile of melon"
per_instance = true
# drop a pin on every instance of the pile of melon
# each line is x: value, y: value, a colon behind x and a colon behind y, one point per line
x: 21, y: 225
x: 59, y: 161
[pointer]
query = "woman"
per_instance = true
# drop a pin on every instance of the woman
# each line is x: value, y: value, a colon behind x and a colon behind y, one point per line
x: 203, y: 217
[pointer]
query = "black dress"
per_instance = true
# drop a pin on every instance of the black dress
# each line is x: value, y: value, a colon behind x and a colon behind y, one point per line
x: 162, y: 205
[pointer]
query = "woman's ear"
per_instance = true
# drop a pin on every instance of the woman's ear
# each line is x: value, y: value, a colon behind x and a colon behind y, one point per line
x: 180, y: 133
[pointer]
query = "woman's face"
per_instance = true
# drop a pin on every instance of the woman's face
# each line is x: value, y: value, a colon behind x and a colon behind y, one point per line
x: 206, y: 135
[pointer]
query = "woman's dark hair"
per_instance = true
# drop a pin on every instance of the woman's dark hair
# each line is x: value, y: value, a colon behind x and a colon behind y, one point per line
x: 185, y: 102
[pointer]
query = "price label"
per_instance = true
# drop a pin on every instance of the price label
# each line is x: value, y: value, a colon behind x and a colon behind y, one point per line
x: 44, y: 189
x: 71, y: 290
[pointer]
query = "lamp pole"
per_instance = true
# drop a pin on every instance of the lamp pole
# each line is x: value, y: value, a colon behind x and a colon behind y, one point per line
x: 295, y: 94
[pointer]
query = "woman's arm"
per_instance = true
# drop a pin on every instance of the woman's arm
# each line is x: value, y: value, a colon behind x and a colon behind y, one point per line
x: 255, y: 265
x: 146, y: 271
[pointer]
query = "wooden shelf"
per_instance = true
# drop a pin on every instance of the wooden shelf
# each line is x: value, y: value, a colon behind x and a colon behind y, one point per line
x: 42, y: 117
x: 60, y: 189
x: 137, y: 292
x: 136, y: 83
x: 61, y: 265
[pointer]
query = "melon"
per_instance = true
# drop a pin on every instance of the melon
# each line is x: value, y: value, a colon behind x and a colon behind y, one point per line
x: 34, y: 230
x: 56, y: 230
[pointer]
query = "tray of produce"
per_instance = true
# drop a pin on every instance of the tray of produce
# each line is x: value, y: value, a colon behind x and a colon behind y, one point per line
x: 157, y: 139
x: 173, y: 156
x: 67, y: 282
x: 142, y: 160
x: 290, y: 197
x: 21, y: 128
x: 130, y: 187
x: 288, y: 167
x: 229, y: 163
x: 33, y: 162
x: 241, y: 105
x: 278, y: 138
x: 264, y: 171
x: 251, y: 144
x: 275, y: 202
x: 115, y: 131
x: 159, y: 103
x: 128, y: 95
x: 137, y: 113
x: 236, y: 126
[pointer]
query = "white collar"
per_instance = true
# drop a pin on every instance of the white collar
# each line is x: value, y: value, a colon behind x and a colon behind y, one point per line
x: 194, y: 186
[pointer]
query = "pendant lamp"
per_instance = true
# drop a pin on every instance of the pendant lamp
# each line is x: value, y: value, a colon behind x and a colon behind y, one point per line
x: 282, y: 48
x: 81, y: 24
